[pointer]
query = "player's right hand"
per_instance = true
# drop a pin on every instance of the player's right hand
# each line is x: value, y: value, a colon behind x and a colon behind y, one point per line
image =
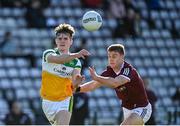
x: 83, y: 53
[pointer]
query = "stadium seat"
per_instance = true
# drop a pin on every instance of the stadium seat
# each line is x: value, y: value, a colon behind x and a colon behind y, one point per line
x: 173, y: 52
x: 37, y: 83
x: 9, y: 94
x: 3, y: 73
x: 138, y: 62
x: 159, y: 43
x: 133, y: 52
x: 155, y: 33
x: 146, y: 33
x: 4, y: 108
x: 148, y: 62
x: 152, y: 72
x: 154, y: 15
x: 150, y: 43
x: 114, y: 102
x: 170, y: 4
x: 6, y: 11
x: 92, y: 103
x: 164, y: 14
x: 21, y: 93
x: 18, y: 12
x: 163, y: 52
x: 5, y: 83
x: 177, y: 62
x: 167, y: 101
x: 165, y: 34
x: 35, y: 73
x: 154, y: 52
x: 158, y: 24
x: 167, y: 82
x: 139, y: 42
x: 163, y: 92
x: 158, y: 62
x: 141, y: 4
x: 24, y: 72
x: 168, y: 62
x: 57, y: 12
x: 36, y: 104
x: 28, y: 83
x: 9, y: 62
x: 109, y: 92
x: 20, y: 62
x: 98, y: 92
x: 144, y: 14
x: 168, y: 24
x: 172, y: 90
x: 102, y: 103
x: 32, y: 93
x: 177, y: 3
x: 170, y: 43
x: 142, y: 71
x: 173, y: 14
x: 177, y: 81
x: 163, y: 72
x: 16, y: 83
x: 143, y: 52
x: 12, y: 73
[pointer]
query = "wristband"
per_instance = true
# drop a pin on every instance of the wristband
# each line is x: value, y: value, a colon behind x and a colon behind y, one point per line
x: 78, y: 89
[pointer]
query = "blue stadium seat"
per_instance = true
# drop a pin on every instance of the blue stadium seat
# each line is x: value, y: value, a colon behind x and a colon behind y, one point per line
x: 92, y: 103
x: 21, y: 93
x: 24, y: 72
x: 163, y: 72
x: 5, y: 83
x: 33, y: 93
x: 152, y: 72
x: 16, y: 83
x: 3, y: 73
x: 4, y: 108
x: 13, y: 72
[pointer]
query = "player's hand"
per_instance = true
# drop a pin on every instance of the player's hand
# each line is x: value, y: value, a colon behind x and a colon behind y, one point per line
x: 93, y: 73
x: 78, y: 80
x: 83, y: 53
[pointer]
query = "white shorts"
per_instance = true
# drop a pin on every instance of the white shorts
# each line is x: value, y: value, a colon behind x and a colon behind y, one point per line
x: 143, y: 112
x: 51, y: 108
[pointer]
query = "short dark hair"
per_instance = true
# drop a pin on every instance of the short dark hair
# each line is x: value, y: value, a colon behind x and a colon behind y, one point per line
x: 117, y: 48
x: 64, y: 28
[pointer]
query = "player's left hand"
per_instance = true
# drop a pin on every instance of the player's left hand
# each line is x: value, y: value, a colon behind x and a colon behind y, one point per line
x: 93, y: 73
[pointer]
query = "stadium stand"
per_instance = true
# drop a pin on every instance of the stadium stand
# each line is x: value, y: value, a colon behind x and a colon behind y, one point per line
x: 155, y: 53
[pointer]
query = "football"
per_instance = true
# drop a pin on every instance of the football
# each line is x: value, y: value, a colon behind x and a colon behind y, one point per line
x: 91, y: 21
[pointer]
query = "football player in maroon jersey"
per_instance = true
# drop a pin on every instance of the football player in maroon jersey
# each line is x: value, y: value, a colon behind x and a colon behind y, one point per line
x: 125, y: 80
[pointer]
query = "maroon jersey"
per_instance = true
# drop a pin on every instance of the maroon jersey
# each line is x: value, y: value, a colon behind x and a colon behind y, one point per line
x: 132, y: 93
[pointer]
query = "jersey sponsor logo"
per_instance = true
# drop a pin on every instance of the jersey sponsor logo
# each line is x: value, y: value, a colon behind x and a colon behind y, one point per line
x: 126, y: 71
x: 61, y: 72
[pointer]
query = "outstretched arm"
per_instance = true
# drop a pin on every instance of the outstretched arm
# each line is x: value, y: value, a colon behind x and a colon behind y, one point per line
x: 108, y: 81
x: 89, y: 86
x: 60, y: 59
